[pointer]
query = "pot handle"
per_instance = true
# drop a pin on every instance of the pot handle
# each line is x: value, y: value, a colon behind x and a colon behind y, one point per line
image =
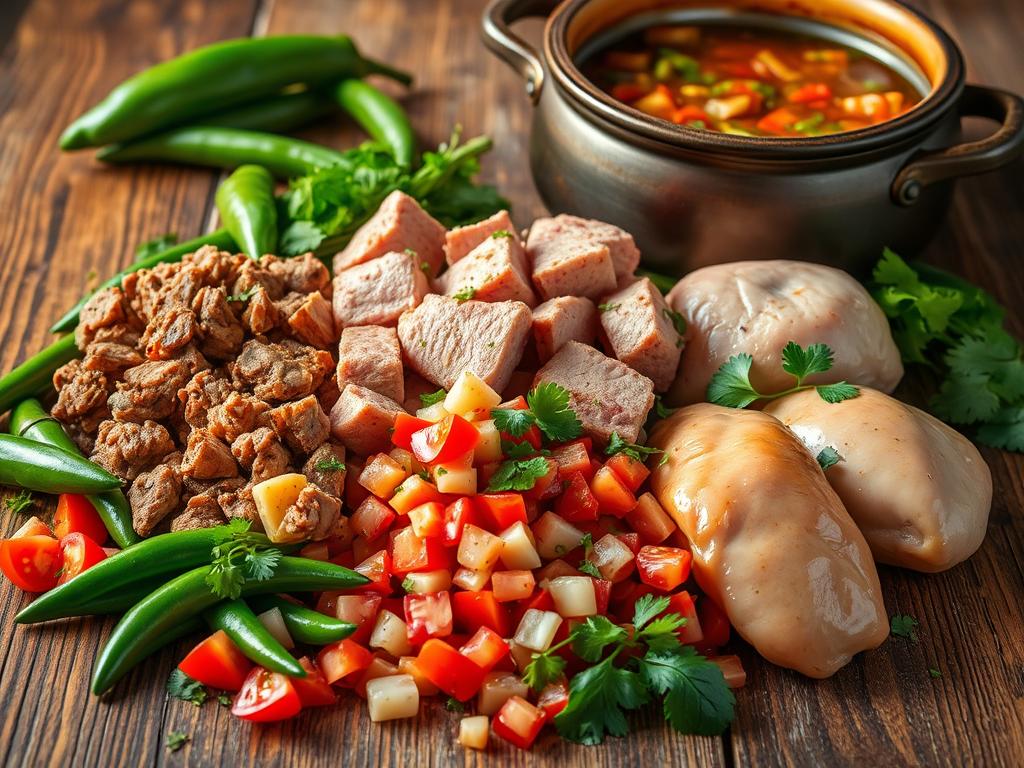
x: 970, y: 157
x: 510, y: 47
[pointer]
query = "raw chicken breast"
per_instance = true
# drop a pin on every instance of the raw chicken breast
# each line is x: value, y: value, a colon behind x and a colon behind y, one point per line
x: 918, y: 489
x: 771, y: 541
x: 759, y: 306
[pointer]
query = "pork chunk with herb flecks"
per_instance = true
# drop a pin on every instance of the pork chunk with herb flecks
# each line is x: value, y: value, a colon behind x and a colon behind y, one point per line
x: 314, y: 515
x: 310, y: 319
x: 154, y: 495
x: 127, y: 449
x: 458, y: 242
x: 81, y: 394
x: 220, y: 332
x: 563, y: 319
x: 362, y: 420
x: 238, y: 414
x: 104, y: 309
x: 325, y: 469
x: 399, y: 224
x: 280, y: 372
x: 201, y: 511
x: 203, y: 391
x: 302, y: 424
x: 239, y: 502
x: 207, y: 457
x: 169, y: 332
x: 496, y: 270
x: 304, y: 274
x: 261, y: 454
x: 149, y: 391
x: 111, y: 357
x: 261, y: 314
x: 378, y: 292
x: 370, y: 356
x: 548, y: 234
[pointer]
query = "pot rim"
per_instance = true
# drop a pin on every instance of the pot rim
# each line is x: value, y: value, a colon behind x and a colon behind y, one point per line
x: 595, y: 103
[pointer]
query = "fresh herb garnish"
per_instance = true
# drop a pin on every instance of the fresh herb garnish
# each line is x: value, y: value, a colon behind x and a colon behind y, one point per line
x: 331, y: 465
x: 500, y: 234
x: 548, y: 408
x: 408, y: 585
x: 636, y: 452
x: 607, y: 307
x: 433, y: 398
x: 661, y: 410
x: 902, y: 625
x: 696, y: 698
x: 513, y: 450
x: 20, y: 501
x: 828, y: 457
x: 678, y: 322
x: 518, y: 474
x: 731, y: 387
x: 589, y: 569
x: 241, y: 554
x: 245, y: 295
x: 224, y: 700
x: 176, y: 740
x: 465, y: 294
x: 934, y: 673
x: 454, y: 705
x: 181, y: 686
x: 155, y: 246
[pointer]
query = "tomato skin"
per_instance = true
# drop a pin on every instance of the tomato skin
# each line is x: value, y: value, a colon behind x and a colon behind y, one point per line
x: 486, y: 648
x: 265, y: 697
x: 31, y: 562
x: 472, y: 610
x: 342, y: 659
x: 377, y: 568
x: 447, y: 440
x: 811, y: 92
x: 664, y: 568
x: 411, y: 553
x: 452, y: 672
x: 683, y: 604
x: 631, y: 472
x: 76, y: 514
x: 405, y: 425
x: 427, y: 616
x: 500, y: 510
x: 611, y: 493
x: 573, y: 457
x: 372, y: 518
x: 518, y: 722
x: 541, y: 600
x: 217, y: 662
x: 33, y: 527
x: 602, y: 595
x: 360, y: 610
x: 577, y: 504
x: 457, y: 516
x: 553, y: 699
x: 313, y: 689
x: 713, y: 622
x: 78, y: 553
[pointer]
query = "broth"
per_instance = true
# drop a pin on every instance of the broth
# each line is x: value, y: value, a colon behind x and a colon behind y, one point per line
x: 749, y: 81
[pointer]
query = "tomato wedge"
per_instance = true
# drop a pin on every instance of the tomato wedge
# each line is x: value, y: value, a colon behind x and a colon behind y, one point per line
x: 31, y: 562
x: 447, y: 440
x: 313, y: 689
x: 217, y: 662
x: 266, y: 696
x: 76, y: 514
x: 78, y: 553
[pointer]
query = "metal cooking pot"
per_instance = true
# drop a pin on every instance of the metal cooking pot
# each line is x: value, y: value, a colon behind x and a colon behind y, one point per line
x: 692, y: 197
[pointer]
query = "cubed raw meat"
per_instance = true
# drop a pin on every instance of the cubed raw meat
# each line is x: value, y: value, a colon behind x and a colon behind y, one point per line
x: 563, y: 319
x: 362, y: 420
x: 496, y: 270
x: 460, y: 241
x: 568, y: 264
x: 625, y: 255
x: 369, y: 355
x: 377, y: 292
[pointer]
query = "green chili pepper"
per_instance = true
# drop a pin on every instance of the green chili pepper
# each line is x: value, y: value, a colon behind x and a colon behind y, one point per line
x: 215, y: 147
x: 39, y: 467
x: 30, y: 420
x: 277, y: 114
x: 219, y: 238
x: 252, y: 638
x: 35, y: 376
x: 214, y: 77
x: 155, y: 621
x: 380, y: 116
x: 246, y: 204
x: 304, y: 624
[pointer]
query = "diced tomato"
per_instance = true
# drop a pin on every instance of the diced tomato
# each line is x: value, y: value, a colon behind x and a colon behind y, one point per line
x: 512, y: 585
x: 650, y: 520
x: 377, y: 568
x: 577, y: 503
x: 313, y: 689
x: 612, y: 495
x: 452, y: 672
x: 266, y: 696
x: 663, y: 567
x: 682, y: 603
x: 627, y: 92
x: 630, y: 471
x: 343, y: 658
x: 405, y: 425
x: 613, y: 557
x: 372, y: 519
x: 217, y: 662
x: 500, y: 510
x: 360, y: 610
x: 631, y: 540
x: 76, y: 514
x: 552, y: 699
x: 486, y: 648
x: 427, y: 520
x: 32, y: 527
x: 541, y: 601
x: 31, y: 562
x: 427, y: 616
x: 381, y: 475
x: 732, y: 670
x: 444, y: 441
x: 624, y: 596
x: 713, y: 622
x: 602, y: 595
x: 78, y: 553
x: 456, y: 516
x: 472, y: 610
x: 316, y: 550
x: 518, y: 722
x: 777, y: 121
x: 572, y: 457
x: 546, y: 486
x: 690, y: 114
x: 354, y: 492
x: 410, y: 553
x: 413, y: 492
x: 811, y: 92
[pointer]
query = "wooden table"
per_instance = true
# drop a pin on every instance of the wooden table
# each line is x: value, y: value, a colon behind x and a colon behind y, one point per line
x: 64, y: 220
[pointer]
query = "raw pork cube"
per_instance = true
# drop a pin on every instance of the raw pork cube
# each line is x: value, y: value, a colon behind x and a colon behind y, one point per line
x: 377, y: 292
x: 398, y: 224
x: 370, y: 356
x: 568, y: 264
x: 625, y: 255
x: 443, y: 337
x: 362, y: 420
x: 563, y: 319
x: 460, y: 241
x: 637, y: 323
x: 495, y: 270
x: 608, y: 396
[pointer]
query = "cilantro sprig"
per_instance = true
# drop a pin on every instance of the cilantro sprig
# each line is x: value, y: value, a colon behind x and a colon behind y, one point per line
x: 181, y: 686
x: 731, y: 386
x: 20, y: 501
x: 633, y: 450
x: 548, y: 408
x: 518, y: 474
x: 905, y: 626
x: 828, y: 457
x: 695, y: 697
x: 433, y: 398
x: 239, y: 555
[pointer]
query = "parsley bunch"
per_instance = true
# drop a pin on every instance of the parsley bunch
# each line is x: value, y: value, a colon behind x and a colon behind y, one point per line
x: 956, y: 329
x: 695, y: 697
x: 731, y: 387
x: 240, y: 554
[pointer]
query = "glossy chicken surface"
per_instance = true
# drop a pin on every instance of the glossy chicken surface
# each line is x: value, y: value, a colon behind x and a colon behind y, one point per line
x: 771, y: 541
x: 919, y: 490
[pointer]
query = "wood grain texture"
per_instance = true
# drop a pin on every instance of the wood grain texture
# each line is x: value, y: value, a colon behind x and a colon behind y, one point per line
x: 65, y: 216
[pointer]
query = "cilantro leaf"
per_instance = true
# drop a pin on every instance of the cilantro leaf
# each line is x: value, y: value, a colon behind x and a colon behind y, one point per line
x: 238, y: 555
x: 598, y: 699
x: 828, y: 457
x: 20, y: 501
x: 697, y: 699
x: 550, y: 406
x: 155, y: 246
x: 513, y: 450
x: 465, y: 294
x: 590, y: 638
x: 934, y: 673
x: 176, y: 740
x: 636, y: 452
x: 518, y: 474
x: 905, y: 626
x: 544, y: 668
x: 454, y: 705
x: 1004, y: 430
x: 801, y: 363
x: 497, y: 235
x: 678, y: 323
x: 836, y: 393
x: 730, y: 385
x: 331, y: 465
x: 661, y: 410
x: 660, y: 634
x: 301, y: 237
x: 587, y: 567
x: 512, y: 422
x: 646, y: 608
x: 181, y: 686
x: 244, y: 296
x: 602, y: 308
x: 433, y: 398
x: 964, y: 398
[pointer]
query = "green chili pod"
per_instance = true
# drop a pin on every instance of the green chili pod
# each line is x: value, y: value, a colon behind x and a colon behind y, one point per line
x: 277, y: 114
x: 304, y: 624
x: 246, y: 204
x: 35, y: 376
x: 220, y: 238
x: 253, y: 639
x: 380, y: 116
x: 154, y: 620
x: 214, y: 77
x: 39, y: 467
x: 214, y: 147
